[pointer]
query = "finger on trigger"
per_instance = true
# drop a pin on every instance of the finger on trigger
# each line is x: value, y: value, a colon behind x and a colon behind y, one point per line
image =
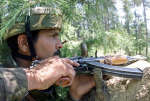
x: 72, y: 62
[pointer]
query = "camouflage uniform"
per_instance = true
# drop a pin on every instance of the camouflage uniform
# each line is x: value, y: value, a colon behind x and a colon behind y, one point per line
x: 13, y: 84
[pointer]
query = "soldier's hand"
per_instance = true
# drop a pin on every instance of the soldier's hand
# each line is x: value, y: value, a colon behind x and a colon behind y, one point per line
x: 49, y: 71
x: 81, y: 85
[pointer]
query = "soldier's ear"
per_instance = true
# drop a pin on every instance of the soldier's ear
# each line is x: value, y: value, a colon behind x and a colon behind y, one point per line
x: 23, y: 44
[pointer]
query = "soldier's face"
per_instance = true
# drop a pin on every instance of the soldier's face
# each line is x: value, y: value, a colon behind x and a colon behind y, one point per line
x: 48, y: 43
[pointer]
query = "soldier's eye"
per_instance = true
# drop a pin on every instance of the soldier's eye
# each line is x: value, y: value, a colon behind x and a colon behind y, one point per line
x: 55, y: 35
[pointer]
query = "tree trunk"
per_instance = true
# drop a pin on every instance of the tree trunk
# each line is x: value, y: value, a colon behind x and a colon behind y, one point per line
x: 127, y: 24
x: 145, y: 20
x: 84, y: 49
x: 136, y: 30
x: 0, y: 20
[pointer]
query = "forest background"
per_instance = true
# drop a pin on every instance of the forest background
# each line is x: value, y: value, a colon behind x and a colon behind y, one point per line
x: 106, y: 26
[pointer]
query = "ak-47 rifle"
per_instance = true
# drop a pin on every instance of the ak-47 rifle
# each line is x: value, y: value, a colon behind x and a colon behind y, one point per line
x: 88, y: 64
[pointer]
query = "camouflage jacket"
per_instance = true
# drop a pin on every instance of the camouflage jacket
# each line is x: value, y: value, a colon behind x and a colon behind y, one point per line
x: 13, y: 87
x: 13, y: 84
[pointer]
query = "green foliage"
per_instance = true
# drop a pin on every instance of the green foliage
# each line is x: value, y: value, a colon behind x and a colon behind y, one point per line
x: 5, y: 57
x: 94, y: 22
x: 62, y: 93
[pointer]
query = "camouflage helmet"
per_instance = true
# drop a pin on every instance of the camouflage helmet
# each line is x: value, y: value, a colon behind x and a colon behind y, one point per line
x: 40, y: 18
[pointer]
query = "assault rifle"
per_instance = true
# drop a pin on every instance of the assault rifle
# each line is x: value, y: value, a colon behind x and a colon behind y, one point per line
x: 88, y: 64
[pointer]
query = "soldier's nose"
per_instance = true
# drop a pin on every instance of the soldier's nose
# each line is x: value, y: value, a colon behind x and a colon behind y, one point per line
x: 59, y: 45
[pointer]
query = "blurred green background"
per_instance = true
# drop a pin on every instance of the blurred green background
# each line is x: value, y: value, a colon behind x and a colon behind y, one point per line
x: 106, y: 26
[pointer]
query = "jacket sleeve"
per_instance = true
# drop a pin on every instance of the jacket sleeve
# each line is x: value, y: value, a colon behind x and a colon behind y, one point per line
x: 13, y: 84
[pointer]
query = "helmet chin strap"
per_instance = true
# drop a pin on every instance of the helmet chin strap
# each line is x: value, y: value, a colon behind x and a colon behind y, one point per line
x: 29, y: 38
x: 30, y: 43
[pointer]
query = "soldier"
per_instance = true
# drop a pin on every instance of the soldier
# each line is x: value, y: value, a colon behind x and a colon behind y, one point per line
x: 37, y: 38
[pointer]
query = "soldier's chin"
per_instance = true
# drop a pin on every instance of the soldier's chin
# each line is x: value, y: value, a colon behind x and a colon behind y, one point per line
x: 57, y: 53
